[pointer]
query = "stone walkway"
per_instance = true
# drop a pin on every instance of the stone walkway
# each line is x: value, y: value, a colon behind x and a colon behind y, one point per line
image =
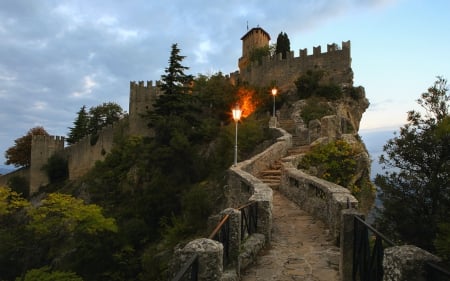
x: 300, y: 249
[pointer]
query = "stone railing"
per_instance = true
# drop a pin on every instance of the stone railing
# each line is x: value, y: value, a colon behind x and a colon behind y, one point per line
x: 241, y: 250
x: 320, y: 198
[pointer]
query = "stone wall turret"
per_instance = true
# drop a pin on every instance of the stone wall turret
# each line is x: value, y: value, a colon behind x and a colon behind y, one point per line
x: 42, y: 148
x: 142, y: 98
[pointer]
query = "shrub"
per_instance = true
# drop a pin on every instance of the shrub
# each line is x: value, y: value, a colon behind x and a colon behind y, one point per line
x: 315, y: 108
x: 335, y: 162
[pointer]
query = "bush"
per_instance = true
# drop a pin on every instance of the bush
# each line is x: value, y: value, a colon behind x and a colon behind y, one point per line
x: 315, y: 109
x: 57, y: 168
x: 335, y: 162
x: 20, y: 185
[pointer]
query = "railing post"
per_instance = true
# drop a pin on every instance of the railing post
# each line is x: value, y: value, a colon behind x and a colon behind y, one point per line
x: 347, y: 243
x: 264, y: 199
x: 234, y: 238
x: 210, y: 258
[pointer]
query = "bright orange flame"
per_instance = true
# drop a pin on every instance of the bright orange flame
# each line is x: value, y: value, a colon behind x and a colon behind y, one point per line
x: 246, y: 101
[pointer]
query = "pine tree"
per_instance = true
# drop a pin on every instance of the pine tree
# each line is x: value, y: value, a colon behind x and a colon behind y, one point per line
x: 283, y: 45
x: 176, y: 86
x: 80, y: 128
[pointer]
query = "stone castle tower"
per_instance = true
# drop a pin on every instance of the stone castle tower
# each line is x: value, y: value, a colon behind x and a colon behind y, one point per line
x: 142, y: 98
x: 43, y: 147
x: 253, y: 39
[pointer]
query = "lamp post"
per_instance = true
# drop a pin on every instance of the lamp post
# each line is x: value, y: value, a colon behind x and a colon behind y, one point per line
x: 236, y: 117
x: 274, y: 93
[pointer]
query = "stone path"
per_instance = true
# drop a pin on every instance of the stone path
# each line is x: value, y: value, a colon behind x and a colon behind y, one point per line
x: 300, y: 249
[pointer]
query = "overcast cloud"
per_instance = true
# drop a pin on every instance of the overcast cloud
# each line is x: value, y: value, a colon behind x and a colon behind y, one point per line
x: 56, y: 56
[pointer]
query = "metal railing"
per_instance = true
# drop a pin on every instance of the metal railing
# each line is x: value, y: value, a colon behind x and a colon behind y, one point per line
x: 189, y: 270
x: 249, y: 219
x: 367, y: 260
x: 368, y: 251
x: 221, y: 233
x: 435, y: 272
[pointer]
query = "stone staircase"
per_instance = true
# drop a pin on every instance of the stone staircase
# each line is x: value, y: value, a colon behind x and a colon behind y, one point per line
x: 272, y: 176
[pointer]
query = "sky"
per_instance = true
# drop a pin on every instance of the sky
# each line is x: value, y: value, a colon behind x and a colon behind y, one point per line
x: 58, y: 55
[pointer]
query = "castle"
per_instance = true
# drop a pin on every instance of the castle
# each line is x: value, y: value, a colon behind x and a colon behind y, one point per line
x: 81, y: 156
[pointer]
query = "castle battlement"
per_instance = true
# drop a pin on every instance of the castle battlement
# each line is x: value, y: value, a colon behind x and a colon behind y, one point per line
x: 140, y: 84
x: 335, y: 62
x: 332, y: 50
x: 55, y: 139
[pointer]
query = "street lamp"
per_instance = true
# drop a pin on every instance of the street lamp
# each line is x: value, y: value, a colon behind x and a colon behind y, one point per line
x: 274, y: 93
x: 236, y: 117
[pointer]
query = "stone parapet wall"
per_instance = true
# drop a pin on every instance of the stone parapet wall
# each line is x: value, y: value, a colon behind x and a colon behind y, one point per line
x: 322, y: 199
x: 263, y: 160
x: 22, y: 172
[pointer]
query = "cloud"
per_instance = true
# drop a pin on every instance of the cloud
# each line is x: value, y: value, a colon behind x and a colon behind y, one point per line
x: 87, y: 85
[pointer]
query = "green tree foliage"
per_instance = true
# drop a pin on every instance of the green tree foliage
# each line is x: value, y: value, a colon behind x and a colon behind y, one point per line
x: 216, y: 94
x: 61, y: 230
x: 89, y: 123
x: 20, y: 154
x: 57, y: 168
x: 45, y: 274
x: 81, y: 126
x: 315, y: 108
x: 20, y: 185
x: 335, y: 162
x: 416, y: 187
x: 283, y: 45
x: 257, y: 54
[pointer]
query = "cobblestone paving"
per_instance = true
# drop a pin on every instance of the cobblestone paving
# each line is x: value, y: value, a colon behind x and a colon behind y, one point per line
x: 300, y: 249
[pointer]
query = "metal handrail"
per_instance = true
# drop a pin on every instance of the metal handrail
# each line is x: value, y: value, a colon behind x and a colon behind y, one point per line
x: 374, y: 230
x: 436, y: 272
x: 367, y: 263
x: 192, y: 264
x: 220, y: 234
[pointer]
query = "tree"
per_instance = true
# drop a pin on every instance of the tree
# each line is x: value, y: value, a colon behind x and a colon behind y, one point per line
x: 283, y: 45
x: 81, y: 125
x: 89, y: 123
x: 175, y: 81
x: 103, y: 115
x: 20, y: 154
x: 416, y: 186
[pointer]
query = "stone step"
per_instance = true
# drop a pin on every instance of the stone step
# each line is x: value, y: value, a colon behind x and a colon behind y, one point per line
x: 271, y: 178
x: 299, y: 150
x: 270, y: 172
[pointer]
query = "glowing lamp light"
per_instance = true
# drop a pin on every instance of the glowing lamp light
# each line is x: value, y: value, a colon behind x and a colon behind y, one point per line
x: 274, y: 91
x: 237, y: 112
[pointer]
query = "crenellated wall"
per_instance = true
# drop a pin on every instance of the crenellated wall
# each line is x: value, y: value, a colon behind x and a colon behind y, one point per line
x: 335, y: 62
